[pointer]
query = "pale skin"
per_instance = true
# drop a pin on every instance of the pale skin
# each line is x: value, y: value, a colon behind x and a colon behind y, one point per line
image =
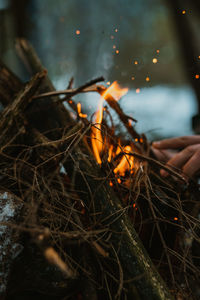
x: 187, y: 159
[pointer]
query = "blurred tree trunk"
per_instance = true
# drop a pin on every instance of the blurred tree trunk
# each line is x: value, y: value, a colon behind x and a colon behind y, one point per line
x: 19, y: 12
x: 189, y: 47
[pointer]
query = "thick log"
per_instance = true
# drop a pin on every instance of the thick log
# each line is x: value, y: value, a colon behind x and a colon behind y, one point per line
x: 133, y: 257
x: 10, y: 85
x: 55, y: 114
x: 102, y: 200
x: 12, y: 122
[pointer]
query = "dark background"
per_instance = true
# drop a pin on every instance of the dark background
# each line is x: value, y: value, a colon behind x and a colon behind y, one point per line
x: 163, y: 96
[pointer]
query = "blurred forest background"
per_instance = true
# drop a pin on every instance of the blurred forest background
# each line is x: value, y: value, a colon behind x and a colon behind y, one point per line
x: 153, y: 47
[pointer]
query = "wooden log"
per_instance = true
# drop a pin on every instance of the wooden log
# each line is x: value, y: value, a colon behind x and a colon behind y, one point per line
x: 56, y: 114
x: 9, y: 85
x: 134, y: 260
x: 12, y: 122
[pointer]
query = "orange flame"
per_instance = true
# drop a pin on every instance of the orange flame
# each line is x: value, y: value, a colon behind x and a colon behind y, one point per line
x: 97, y: 140
x: 126, y: 163
x: 79, y: 111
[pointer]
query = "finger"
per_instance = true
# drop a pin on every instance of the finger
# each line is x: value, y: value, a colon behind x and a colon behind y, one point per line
x: 162, y: 155
x: 179, y: 160
x: 175, y: 143
x: 193, y: 165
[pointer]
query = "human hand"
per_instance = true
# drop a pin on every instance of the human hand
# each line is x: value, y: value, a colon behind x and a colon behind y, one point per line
x: 188, y: 159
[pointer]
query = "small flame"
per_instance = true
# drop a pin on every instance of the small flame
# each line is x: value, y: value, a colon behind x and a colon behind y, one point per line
x: 110, y: 152
x: 126, y: 163
x: 97, y: 140
x: 79, y: 111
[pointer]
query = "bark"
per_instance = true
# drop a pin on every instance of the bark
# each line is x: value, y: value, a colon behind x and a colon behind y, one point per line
x: 9, y: 85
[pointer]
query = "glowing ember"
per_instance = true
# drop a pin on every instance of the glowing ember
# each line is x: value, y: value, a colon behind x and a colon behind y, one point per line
x: 116, y: 30
x: 130, y: 123
x: 97, y: 140
x: 136, y: 62
x: 110, y: 151
x: 114, y: 47
x: 78, y: 32
x: 126, y: 162
x: 154, y: 60
x: 137, y: 91
x: 79, y: 111
x: 117, y: 51
x: 175, y: 219
x: 197, y: 76
x: 183, y: 12
x: 147, y: 78
x: 158, y: 51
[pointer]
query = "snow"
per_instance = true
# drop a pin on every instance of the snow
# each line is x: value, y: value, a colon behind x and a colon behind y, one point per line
x: 8, y: 249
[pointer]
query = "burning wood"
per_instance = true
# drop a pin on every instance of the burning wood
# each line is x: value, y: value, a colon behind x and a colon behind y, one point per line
x: 91, y: 200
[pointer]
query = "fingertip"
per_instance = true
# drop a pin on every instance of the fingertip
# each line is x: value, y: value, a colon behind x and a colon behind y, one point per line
x: 156, y: 144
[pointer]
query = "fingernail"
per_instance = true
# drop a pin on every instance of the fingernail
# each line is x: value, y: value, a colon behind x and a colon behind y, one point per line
x: 163, y: 173
x: 154, y: 144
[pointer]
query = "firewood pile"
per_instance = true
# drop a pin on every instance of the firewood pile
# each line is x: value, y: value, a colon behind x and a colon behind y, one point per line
x: 84, y: 212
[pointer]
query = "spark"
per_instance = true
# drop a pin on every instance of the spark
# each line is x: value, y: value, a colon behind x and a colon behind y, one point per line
x: 78, y: 32
x: 137, y: 91
x: 183, y: 12
x: 154, y: 60
x: 175, y: 219
x: 141, y: 140
x: 117, y: 51
x: 147, y: 78
x: 129, y: 123
x: 136, y: 62
x: 158, y: 51
x: 197, y: 76
x: 108, y: 82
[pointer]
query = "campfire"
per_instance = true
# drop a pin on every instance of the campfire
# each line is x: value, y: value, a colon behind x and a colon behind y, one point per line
x: 91, y: 216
